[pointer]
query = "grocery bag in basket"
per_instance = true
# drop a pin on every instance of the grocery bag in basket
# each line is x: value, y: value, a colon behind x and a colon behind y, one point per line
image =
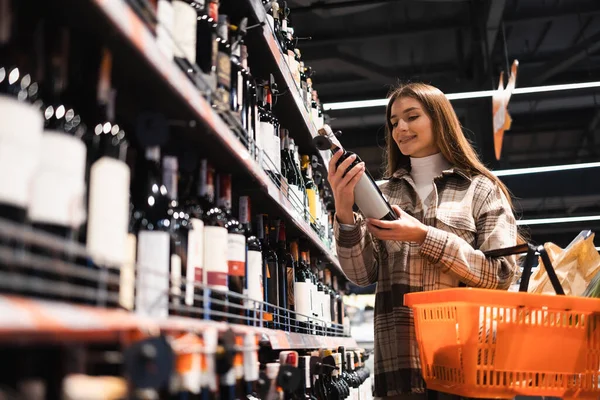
x: 575, y: 266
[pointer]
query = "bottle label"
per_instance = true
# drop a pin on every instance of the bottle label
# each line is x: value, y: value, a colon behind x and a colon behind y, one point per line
x: 184, y: 30
x: 213, y: 10
x: 290, y: 288
x: 236, y: 254
x: 20, y: 146
x: 368, y: 199
x: 311, y: 194
x: 241, y: 84
x: 224, y: 70
x: 266, y: 140
x: 215, y: 257
x: 277, y: 153
x: 175, y: 280
x: 254, y: 280
x: 302, y: 300
x: 152, y: 282
x: 127, y: 278
x: 165, y: 17
x: 61, y: 165
x: 195, y: 259
x: 108, y: 218
x: 327, y: 308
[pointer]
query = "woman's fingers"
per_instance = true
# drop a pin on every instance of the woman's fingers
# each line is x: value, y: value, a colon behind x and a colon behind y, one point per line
x: 339, y: 174
x: 357, y: 169
x: 332, y: 163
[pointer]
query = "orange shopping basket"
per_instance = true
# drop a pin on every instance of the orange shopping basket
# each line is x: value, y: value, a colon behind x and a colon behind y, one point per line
x: 496, y: 344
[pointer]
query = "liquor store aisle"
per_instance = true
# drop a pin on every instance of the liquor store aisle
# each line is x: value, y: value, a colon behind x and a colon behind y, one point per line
x: 165, y: 221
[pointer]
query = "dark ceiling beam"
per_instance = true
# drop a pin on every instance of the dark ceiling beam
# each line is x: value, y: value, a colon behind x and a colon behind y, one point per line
x: 322, y: 5
x: 494, y: 22
x: 441, y: 26
x: 568, y: 58
x: 364, y: 68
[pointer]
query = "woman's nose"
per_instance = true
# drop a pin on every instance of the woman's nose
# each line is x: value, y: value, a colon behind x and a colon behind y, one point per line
x: 402, y: 126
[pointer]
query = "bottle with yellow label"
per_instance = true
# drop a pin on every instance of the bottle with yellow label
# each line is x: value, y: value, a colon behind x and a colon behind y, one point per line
x: 311, y: 189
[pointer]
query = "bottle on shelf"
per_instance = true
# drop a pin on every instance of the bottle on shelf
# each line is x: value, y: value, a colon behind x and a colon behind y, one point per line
x: 286, y: 279
x: 269, y: 141
x: 165, y: 15
x: 272, y: 271
x: 207, y: 40
x: 216, y: 267
x: 153, y: 242
x: 254, y: 264
x: 186, y: 15
x: 223, y: 92
x: 311, y: 191
x: 312, y: 287
x: 368, y: 197
x: 302, y: 290
x: 236, y: 249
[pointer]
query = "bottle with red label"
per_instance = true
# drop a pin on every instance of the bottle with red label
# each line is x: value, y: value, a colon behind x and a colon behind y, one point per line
x: 236, y: 249
x: 216, y: 267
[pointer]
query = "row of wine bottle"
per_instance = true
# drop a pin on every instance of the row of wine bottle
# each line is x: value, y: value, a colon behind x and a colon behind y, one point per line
x: 195, y: 33
x: 156, y: 212
x: 186, y: 366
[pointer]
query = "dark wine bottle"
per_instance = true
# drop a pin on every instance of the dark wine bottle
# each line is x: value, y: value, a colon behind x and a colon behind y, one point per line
x: 223, y: 63
x: 286, y: 278
x: 272, y: 275
x: 367, y: 195
x: 254, y: 264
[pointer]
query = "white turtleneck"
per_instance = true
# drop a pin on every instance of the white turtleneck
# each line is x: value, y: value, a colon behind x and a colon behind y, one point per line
x: 423, y: 171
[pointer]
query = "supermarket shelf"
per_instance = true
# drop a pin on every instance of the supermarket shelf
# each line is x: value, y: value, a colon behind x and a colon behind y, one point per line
x: 133, y: 29
x: 23, y: 319
x: 283, y: 72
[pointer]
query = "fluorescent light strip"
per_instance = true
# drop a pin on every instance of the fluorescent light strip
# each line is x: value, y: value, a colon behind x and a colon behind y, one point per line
x: 344, y: 105
x: 552, y: 168
x: 559, y: 220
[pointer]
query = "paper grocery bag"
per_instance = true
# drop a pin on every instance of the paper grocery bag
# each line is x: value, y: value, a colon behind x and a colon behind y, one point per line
x: 575, y: 266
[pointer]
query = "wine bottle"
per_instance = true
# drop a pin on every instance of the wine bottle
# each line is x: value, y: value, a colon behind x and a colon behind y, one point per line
x: 185, y: 22
x: 191, y: 188
x: 286, y: 277
x: 367, y: 195
x: 109, y: 181
x: 302, y: 290
x: 179, y: 228
x: 312, y: 288
x: 272, y: 275
x: 311, y: 191
x: 216, y: 267
x: 236, y: 249
x: 153, y: 244
x: 254, y: 263
x: 127, y: 274
x: 223, y: 63
x: 332, y: 313
x: 20, y: 141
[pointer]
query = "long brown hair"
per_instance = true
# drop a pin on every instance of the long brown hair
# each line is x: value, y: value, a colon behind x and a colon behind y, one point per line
x: 447, y: 133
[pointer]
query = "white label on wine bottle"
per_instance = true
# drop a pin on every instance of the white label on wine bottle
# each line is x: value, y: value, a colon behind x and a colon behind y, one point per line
x: 152, y: 283
x: 240, y: 89
x: 58, y: 189
x: 185, y: 20
x: 250, y: 359
x: 277, y: 153
x: 176, y: 279
x: 266, y: 140
x: 296, y: 196
x: 20, y: 142
x: 236, y: 254
x: 195, y: 259
x: 368, y: 199
x: 215, y: 257
x: 254, y: 280
x: 164, y: 29
x: 327, y: 309
x: 108, y: 214
x: 127, y: 278
x: 302, y: 300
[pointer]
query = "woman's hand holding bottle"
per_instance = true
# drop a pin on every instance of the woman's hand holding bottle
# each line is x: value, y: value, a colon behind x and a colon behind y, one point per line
x: 343, y: 185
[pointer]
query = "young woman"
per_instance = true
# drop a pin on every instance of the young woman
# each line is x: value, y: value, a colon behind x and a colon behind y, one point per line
x: 450, y: 210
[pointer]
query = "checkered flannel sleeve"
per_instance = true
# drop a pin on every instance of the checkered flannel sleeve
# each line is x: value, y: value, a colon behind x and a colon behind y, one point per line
x: 357, y: 252
x: 496, y: 229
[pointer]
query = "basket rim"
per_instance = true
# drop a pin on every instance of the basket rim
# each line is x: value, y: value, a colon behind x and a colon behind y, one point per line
x: 491, y: 297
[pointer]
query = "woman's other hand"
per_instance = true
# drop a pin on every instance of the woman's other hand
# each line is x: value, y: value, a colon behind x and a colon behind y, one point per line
x: 405, y: 229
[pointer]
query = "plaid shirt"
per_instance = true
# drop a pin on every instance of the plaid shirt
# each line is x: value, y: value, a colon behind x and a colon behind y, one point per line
x: 466, y: 216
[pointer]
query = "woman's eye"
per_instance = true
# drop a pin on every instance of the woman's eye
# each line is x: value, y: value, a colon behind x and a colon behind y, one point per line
x: 394, y: 125
x: 412, y: 118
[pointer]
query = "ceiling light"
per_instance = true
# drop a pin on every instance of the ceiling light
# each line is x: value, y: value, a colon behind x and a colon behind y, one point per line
x: 552, y: 168
x: 465, y: 95
x: 559, y: 220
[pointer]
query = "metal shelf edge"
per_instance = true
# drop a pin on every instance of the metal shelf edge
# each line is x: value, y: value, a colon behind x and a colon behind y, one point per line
x: 24, y: 316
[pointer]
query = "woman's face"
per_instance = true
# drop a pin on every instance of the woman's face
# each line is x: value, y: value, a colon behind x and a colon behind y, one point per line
x: 411, y: 128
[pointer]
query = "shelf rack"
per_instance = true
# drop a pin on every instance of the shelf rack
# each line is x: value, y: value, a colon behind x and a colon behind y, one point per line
x: 131, y: 28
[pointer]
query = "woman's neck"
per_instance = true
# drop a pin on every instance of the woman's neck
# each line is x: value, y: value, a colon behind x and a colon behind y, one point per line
x: 427, y: 168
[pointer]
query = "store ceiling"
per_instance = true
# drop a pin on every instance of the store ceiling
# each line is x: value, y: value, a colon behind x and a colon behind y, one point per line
x: 361, y: 48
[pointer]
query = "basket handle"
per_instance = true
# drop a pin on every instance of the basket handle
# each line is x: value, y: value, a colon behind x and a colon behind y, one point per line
x: 532, y: 251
